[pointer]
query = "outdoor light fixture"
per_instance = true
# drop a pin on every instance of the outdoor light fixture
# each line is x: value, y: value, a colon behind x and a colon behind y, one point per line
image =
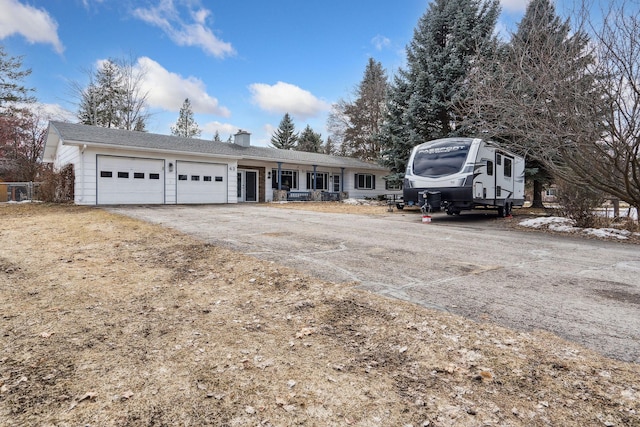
x: 269, y: 175
x: 170, y: 167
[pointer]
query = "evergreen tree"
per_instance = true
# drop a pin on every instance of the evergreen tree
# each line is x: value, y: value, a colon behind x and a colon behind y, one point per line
x: 365, y: 115
x: 186, y: 125
x: 309, y: 141
x: 424, y: 96
x: 113, y: 97
x: 329, y: 147
x: 110, y: 96
x: 285, y: 136
x: 11, y: 76
x: 216, y: 137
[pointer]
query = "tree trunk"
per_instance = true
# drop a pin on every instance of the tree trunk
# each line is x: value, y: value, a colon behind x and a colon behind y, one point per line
x: 537, y: 195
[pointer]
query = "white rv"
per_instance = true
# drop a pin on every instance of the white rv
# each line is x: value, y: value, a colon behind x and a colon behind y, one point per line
x: 459, y: 174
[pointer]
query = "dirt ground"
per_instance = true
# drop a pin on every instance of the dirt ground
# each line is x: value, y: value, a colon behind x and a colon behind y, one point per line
x: 109, y: 321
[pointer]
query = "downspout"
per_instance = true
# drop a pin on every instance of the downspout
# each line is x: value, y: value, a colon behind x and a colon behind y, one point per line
x: 81, y: 198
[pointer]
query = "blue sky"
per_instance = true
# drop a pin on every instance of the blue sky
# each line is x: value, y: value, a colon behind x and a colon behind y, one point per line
x: 242, y: 64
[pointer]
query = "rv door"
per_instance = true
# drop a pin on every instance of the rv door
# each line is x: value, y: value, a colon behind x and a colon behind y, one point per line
x: 504, y: 176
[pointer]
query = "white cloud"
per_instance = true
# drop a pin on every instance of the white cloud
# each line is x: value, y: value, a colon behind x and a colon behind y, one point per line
x: 195, y: 33
x: 35, y: 25
x: 168, y: 90
x: 224, y: 129
x: 380, y: 42
x: 514, y: 5
x: 287, y: 98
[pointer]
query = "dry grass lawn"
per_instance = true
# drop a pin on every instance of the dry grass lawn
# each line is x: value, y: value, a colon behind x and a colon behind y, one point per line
x: 108, y: 321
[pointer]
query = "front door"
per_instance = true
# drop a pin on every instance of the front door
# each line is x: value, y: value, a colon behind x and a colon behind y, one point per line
x: 247, y: 186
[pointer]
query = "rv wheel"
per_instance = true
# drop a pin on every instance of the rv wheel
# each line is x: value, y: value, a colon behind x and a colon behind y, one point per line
x: 501, y: 211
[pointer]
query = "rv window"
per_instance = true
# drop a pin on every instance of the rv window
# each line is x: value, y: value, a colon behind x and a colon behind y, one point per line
x: 440, y: 159
x: 489, y: 168
x: 507, y: 167
x: 498, y: 159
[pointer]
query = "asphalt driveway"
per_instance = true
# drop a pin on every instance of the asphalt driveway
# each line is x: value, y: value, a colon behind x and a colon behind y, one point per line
x: 584, y: 290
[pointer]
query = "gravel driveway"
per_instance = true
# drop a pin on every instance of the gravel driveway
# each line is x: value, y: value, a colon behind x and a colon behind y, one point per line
x: 584, y: 290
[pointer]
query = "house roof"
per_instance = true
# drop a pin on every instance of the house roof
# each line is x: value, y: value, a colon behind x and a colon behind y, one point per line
x: 76, y: 134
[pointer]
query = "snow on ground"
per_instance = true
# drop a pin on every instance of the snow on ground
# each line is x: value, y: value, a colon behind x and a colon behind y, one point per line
x: 566, y: 225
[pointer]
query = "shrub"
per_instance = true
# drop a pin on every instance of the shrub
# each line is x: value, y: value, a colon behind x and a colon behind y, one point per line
x: 57, y: 187
x: 578, y: 202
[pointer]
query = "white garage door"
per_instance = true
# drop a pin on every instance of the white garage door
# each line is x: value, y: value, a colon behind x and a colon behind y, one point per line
x: 201, y: 182
x: 129, y: 180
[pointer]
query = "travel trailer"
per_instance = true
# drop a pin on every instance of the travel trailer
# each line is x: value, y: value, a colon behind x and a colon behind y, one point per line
x: 457, y: 174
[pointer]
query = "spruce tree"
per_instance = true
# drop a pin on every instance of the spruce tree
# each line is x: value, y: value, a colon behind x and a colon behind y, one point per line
x: 309, y: 141
x: 423, y: 99
x: 186, y: 125
x: 285, y: 136
x: 113, y: 98
x: 11, y: 75
x: 111, y: 95
x: 365, y: 115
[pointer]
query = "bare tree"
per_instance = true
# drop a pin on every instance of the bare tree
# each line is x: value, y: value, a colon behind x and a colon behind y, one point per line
x: 134, y: 114
x: 612, y: 163
x: 22, y: 135
x: 537, y: 94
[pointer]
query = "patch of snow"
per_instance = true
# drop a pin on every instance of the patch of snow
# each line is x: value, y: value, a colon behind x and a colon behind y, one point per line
x: 608, y: 232
x: 351, y: 202
x: 566, y: 225
x: 545, y: 221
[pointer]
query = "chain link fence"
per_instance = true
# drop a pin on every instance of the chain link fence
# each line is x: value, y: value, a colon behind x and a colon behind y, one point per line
x: 19, y: 191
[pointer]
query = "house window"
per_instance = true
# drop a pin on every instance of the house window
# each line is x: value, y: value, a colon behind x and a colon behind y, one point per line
x: 182, y: 177
x: 123, y: 174
x: 206, y: 178
x: 365, y: 181
x: 489, y: 168
x: 195, y: 177
x: 336, y: 183
x: 322, y: 180
x: 289, y: 179
x: 507, y: 167
x: 392, y: 185
x: 154, y: 176
x: 106, y: 174
x: 138, y: 175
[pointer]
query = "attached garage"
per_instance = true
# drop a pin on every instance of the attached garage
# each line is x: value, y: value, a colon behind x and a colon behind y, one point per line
x: 199, y: 182
x: 129, y: 180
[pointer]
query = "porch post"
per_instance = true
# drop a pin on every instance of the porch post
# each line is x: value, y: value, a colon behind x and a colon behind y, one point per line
x: 314, y: 177
x: 342, y: 180
x: 279, y: 175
